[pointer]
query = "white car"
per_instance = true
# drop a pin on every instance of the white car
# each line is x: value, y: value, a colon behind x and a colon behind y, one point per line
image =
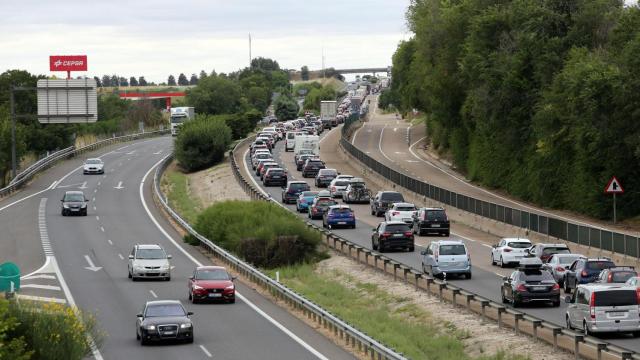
x: 338, y: 186
x: 149, y: 261
x: 401, y: 212
x: 93, y: 166
x: 509, y: 251
x: 258, y: 157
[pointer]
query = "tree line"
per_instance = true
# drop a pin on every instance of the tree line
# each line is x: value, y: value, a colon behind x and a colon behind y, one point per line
x: 539, y: 98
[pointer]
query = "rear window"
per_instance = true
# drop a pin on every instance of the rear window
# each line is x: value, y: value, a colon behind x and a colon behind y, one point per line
x: 556, y: 250
x: 356, y: 185
x: 537, y: 275
x: 452, y: 250
x: 436, y: 215
x: 342, y: 210
x: 397, y: 227
x: 567, y: 260
x: 616, y: 298
x: 299, y: 186
x: 599, y: 265
x: 392, y: 197
x: 519, y: 245
x: 309, y: 193
x: 406, y: 208
x: 276, y: 172
x: 328, y: 172
x: 341, y: 183
x: 621, y: 276
x: 326, y: 202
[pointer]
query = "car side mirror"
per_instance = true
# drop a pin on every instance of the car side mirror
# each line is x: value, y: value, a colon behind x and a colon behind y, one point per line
x: 190, y: 277
x: 189, y: 313
x: 139, y: 315
x: 131, y: 257
x: 567, y: 267
x: 86, y: 200
x: 61, y: 200
x: 567, y: 299
x: 169, y: 256
x: 374, y: 229
x: 233, y: 278
x: 506, y: 278
x: 494, y: 246
x: 423, y: 252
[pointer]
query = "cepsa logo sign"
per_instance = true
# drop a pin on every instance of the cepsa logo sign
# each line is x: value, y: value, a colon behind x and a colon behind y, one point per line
x: 68, y: 62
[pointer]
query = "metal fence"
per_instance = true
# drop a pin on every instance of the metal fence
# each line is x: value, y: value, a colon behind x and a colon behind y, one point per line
x: 573, y: 232
x: 45, y: 163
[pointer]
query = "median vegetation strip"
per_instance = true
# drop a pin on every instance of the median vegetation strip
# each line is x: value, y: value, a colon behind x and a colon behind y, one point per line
x: 175, y: 185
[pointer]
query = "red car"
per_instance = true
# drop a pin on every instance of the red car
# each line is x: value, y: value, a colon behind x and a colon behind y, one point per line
x: 211, y: 283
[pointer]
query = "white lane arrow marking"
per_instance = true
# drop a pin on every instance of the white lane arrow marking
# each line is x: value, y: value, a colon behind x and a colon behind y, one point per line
x: 83, y: 186
x: 157, y: 153
x: 119, y: 187
x: 131, y: 152
x: 91, y: 266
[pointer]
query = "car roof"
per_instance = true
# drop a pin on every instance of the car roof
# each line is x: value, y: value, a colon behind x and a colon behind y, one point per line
x: 148, y: 246
x: 552, y: 245
x: 395, y: 222
x: 517, y: 239
x: 211, y: 267
x: 73, y: 192
x: 356, y: 179
x: 449, y: 242
x: 339, y: 206
x: 297, y: 182
x: 403, y: 204
x: 163, y: 302
x: 432, y: 208
x: 598, y: 259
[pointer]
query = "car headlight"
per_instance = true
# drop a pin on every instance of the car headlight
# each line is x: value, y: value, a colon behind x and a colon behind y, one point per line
x: 65, y: 206
x: 138, y: 267
x: 197, y: 287
x: 230, y: 287
x: 164, y: 267
x: 150, y: 327
x: 84, y: 205
x: 185, y: 326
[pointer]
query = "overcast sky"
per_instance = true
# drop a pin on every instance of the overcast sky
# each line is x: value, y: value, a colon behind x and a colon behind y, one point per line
x: 157, y: 38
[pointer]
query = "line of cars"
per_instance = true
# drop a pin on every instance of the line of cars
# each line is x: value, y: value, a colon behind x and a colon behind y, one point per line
x: 74, y: 202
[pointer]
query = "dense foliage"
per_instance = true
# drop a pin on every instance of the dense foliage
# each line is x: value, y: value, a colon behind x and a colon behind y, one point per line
x: 318, y: 94
x: 539, y: 98
x: 202, y: 142
x: 286, y: 107
x: 262, y: 233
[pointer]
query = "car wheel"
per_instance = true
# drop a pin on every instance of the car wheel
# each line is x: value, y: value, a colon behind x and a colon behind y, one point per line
x: 468, y: 275
x: 501, y: 262
x: 130, y: 276
x: 64, y: 212
x: 232, y: 301
x: 411, y: 248
x: 504, y: 299
x: 446, y: 233
x: 555, y: 303
x: 143, y: 341
x: 635, y: 334
x: 585, y: 329
x: 189, y: 296
x: 168, y: 278
x: 84, y: 213
x: 137, y: 335
x: 421, y: 233
x: 372, y: 212
x: 381, y: 247
x: 516, y: 303
x: 353, y: 226
x: 493, y: 261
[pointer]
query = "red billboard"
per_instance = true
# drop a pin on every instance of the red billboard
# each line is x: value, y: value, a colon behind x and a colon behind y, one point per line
x: 68, y: 62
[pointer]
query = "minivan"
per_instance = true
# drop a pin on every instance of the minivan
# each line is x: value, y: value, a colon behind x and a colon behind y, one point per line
x: 290, y: 142
x: 604, y: 309
x: 446, y: 256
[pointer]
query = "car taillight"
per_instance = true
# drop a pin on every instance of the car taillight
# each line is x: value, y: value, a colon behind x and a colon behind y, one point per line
x: 333, y: 188
x: 592, y: 305
x: 610, y: 277
x: 556, y: 287
x: 315, y: 210
x: 507, y: 250
x: 560, y: 268
x: 386, y: 234
x: 584, y: 273
x: 408, y: 233
x: 638, y: 297
x: 521, y: 288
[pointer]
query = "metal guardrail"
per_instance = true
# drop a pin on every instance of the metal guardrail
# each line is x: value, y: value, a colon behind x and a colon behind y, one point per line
x: 312, y: 311
x: 574, y: 232
x: 44, y: 163
x: 575, y: 342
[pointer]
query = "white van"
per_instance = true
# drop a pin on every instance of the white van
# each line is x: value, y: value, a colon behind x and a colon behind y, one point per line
x: 603, y: 308
x: 290, y: 142
x: 307, y: 142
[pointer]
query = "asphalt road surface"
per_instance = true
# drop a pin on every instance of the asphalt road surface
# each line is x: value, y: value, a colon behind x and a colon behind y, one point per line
x: 486, y: 278
x: 86, y: 265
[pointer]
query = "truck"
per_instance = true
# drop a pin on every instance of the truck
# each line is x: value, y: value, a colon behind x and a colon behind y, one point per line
x: 328, y: 111
x: 179, y: 115
x: 307, y: 142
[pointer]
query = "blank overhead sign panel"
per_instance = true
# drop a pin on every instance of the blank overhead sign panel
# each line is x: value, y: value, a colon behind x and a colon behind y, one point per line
x: 67, y: 101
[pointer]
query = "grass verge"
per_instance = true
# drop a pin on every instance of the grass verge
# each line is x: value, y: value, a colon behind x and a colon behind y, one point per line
x: 175, y: 185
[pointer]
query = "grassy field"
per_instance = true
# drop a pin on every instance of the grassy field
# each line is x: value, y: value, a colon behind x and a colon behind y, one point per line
x: 176, y: 187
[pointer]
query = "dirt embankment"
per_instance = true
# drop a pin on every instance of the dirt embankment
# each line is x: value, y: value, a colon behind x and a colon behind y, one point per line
x: 215, y: 184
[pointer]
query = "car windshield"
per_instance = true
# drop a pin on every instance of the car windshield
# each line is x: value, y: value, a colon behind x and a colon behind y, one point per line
x: 567, y: 260
x: 457, y: 249
x: 537, y: 275
x: 392, y: 197
x: 599, y: 265
x: 519, y: 245
x: 165, y: 310
x: 616, y: 298
x: 555, y: 250
x: 397, y: 228
x: 436, y: 215
x: 74, y: 198
x: 406, y: 208
x: 622, y: 276
x: 215, y: 274
x: 149, y: 254
x: 94, y: 161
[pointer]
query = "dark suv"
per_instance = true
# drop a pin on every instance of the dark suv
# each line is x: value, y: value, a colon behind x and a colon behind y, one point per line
x: 392, y: 234
x: 293, y: 190
x: 431, y: 220
x: 275, y: 176
x: 311, y: 167
x: 324, y: 177
x: 302, y: 159
x: 584, y: 271
x: 383, y: 200
x: 544, y: 251
x: 74, y: 203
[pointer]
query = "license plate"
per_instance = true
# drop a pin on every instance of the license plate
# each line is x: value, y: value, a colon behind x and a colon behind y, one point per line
x: 435, y: 225
x: 539, y: 288
x: 617, y: 313
x: 215, y: 295
x: 276, y: 177
x: 397, y: 235
x: 168, y: 333
x: 72, y: 209
x: 342, y: 223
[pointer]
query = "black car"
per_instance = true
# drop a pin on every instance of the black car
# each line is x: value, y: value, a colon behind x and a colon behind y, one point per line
x: 530, y: 283
x: 325, y: 176
x: 275, y: 176
x: 319, y: 206
x: 292, y: 190
x: 383, y: 200
x: 431, y: 220
x: 392, y: 234
x: 164, y: 320
x: 302, y: 159
x: 312, y: 167
x: 74, y: 203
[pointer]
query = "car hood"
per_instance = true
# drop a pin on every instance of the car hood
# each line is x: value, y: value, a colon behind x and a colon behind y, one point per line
x: 74, y: 203
x: 98, y: 166
x: 161, y: 320
x: 213, y: 284
x: 151, y: 262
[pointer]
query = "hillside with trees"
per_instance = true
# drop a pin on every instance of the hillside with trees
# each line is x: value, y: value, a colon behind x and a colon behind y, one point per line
x: 539, y: 98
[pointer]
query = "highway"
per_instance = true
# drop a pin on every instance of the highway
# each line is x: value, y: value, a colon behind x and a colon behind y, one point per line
x: 486, y: 278
x: 86, y: 265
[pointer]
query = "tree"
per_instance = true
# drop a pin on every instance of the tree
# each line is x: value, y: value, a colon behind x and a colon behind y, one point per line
x: 106, y: 80
x: 286, y: 108
x: 112, y: 107
x: 265, y: 64
x: 142, y: 81
x: 171, y: 81
x: 316, y: 95
x: 215, y: 95
x: 182, y: 80
x: 202, y: 142
x: 304, y: 73
x: 133, y: 81
x: 203, y: 74
x: 98, y: 82
x: 193, y: 80
x: 115, y: 80
x: 123, y: 81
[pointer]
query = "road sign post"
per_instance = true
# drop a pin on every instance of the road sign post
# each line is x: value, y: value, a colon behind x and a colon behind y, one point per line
x: 614, y: 187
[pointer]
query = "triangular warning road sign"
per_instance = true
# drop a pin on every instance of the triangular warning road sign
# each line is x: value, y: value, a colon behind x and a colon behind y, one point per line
x: 614, y: 187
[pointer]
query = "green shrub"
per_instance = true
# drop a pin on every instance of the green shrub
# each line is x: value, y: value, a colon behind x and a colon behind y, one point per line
x: 262, y: 233
x: 12, y: 346
x: 202, y: 142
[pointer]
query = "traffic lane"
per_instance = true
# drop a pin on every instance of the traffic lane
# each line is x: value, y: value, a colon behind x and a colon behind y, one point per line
x: 486, y: 281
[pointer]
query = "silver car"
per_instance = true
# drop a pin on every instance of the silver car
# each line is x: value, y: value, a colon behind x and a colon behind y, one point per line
x: 446, y: 257
x: 93, y: 166
x: 558, y: 265
x: 603, y: 309
x: 149, y: 261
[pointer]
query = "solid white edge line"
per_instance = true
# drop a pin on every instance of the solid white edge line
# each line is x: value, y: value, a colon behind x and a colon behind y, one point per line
x: 353, y: 140
x: 380, y: 145
x: 153, y: 294
x: 205, y: 351
x: 198, y: 263
x: 46, y: 263
x: 244, y: 158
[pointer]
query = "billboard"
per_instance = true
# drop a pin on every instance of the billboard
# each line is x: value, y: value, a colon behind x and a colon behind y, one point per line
x: 68, y: 63
x: 67, y: 101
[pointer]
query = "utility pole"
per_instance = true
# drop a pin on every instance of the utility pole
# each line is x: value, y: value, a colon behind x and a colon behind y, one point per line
x: 14, y: 163
x: 249, y: 50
